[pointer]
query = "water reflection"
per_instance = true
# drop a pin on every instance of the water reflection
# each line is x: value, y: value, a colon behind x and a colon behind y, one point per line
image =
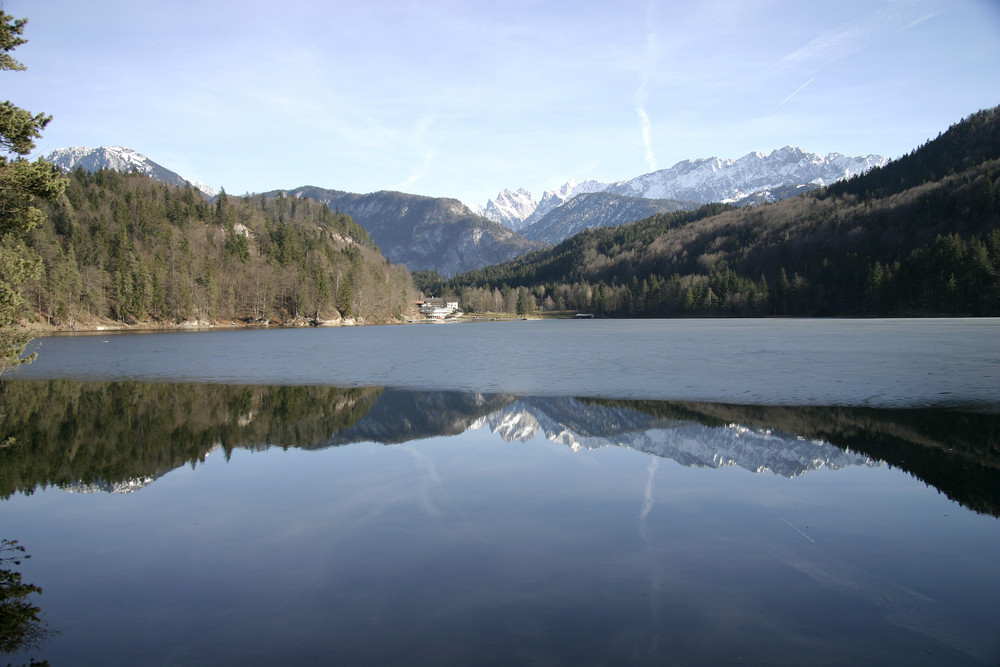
x: 121, y: 436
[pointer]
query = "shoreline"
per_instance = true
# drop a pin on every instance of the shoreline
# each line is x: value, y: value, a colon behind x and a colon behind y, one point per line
x: 107, y: 326
x: 103, y: 326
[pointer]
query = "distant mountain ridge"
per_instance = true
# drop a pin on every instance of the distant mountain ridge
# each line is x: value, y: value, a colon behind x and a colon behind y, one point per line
x: 424, y: 233
x: 753, y: 178
x: 119, y: 158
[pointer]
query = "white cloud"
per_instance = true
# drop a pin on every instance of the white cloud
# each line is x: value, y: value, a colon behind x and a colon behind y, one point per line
x: 854, y: 36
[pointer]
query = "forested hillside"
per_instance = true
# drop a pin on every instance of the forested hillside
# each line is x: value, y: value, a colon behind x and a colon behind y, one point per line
x: 128, y: 249
x: 920, y: 236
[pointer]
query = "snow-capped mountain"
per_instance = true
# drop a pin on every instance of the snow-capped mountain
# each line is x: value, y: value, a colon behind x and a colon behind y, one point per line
x: 510, y: 208
x: 715, y: 180
x: 754, y: 177
x: 119, y: 158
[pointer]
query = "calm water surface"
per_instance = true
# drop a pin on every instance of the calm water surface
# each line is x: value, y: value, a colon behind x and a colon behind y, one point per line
x: 899, y: 363
x: 763, y: 492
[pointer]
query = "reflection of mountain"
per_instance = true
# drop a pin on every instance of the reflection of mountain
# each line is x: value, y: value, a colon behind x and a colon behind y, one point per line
x: 583, y: 425
x: 104, y: 436
x: 401, y: 416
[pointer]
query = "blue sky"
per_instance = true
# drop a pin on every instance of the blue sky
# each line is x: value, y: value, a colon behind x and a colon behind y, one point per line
x: 465, y: 98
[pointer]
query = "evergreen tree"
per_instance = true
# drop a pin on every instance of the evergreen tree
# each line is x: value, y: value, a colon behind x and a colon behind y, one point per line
x: 21, y: 182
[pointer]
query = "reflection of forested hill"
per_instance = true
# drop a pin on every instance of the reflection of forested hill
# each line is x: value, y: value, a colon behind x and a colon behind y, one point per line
x: 59, y: 432
x: 104, y: 434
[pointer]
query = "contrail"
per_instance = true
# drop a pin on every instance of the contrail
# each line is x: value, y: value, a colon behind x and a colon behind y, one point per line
x: 645, y: 124
x: 647, y: 499
x: 797, y: 91
x: 647, y: 135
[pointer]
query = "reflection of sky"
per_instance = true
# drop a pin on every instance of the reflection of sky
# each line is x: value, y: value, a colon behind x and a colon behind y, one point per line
x: 457, y: 547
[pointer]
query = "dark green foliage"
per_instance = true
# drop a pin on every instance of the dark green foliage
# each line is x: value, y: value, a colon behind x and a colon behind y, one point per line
x: 971, y: 142
x: 918, y: 237
x: 427, y: 281
x: 127, y: 248
x: 23, y: 184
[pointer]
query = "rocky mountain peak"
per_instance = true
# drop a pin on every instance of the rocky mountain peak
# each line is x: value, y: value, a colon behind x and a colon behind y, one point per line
x: 511, y: 208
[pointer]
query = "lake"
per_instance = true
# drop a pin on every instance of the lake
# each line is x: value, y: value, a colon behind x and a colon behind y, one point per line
x: 539, y: 492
